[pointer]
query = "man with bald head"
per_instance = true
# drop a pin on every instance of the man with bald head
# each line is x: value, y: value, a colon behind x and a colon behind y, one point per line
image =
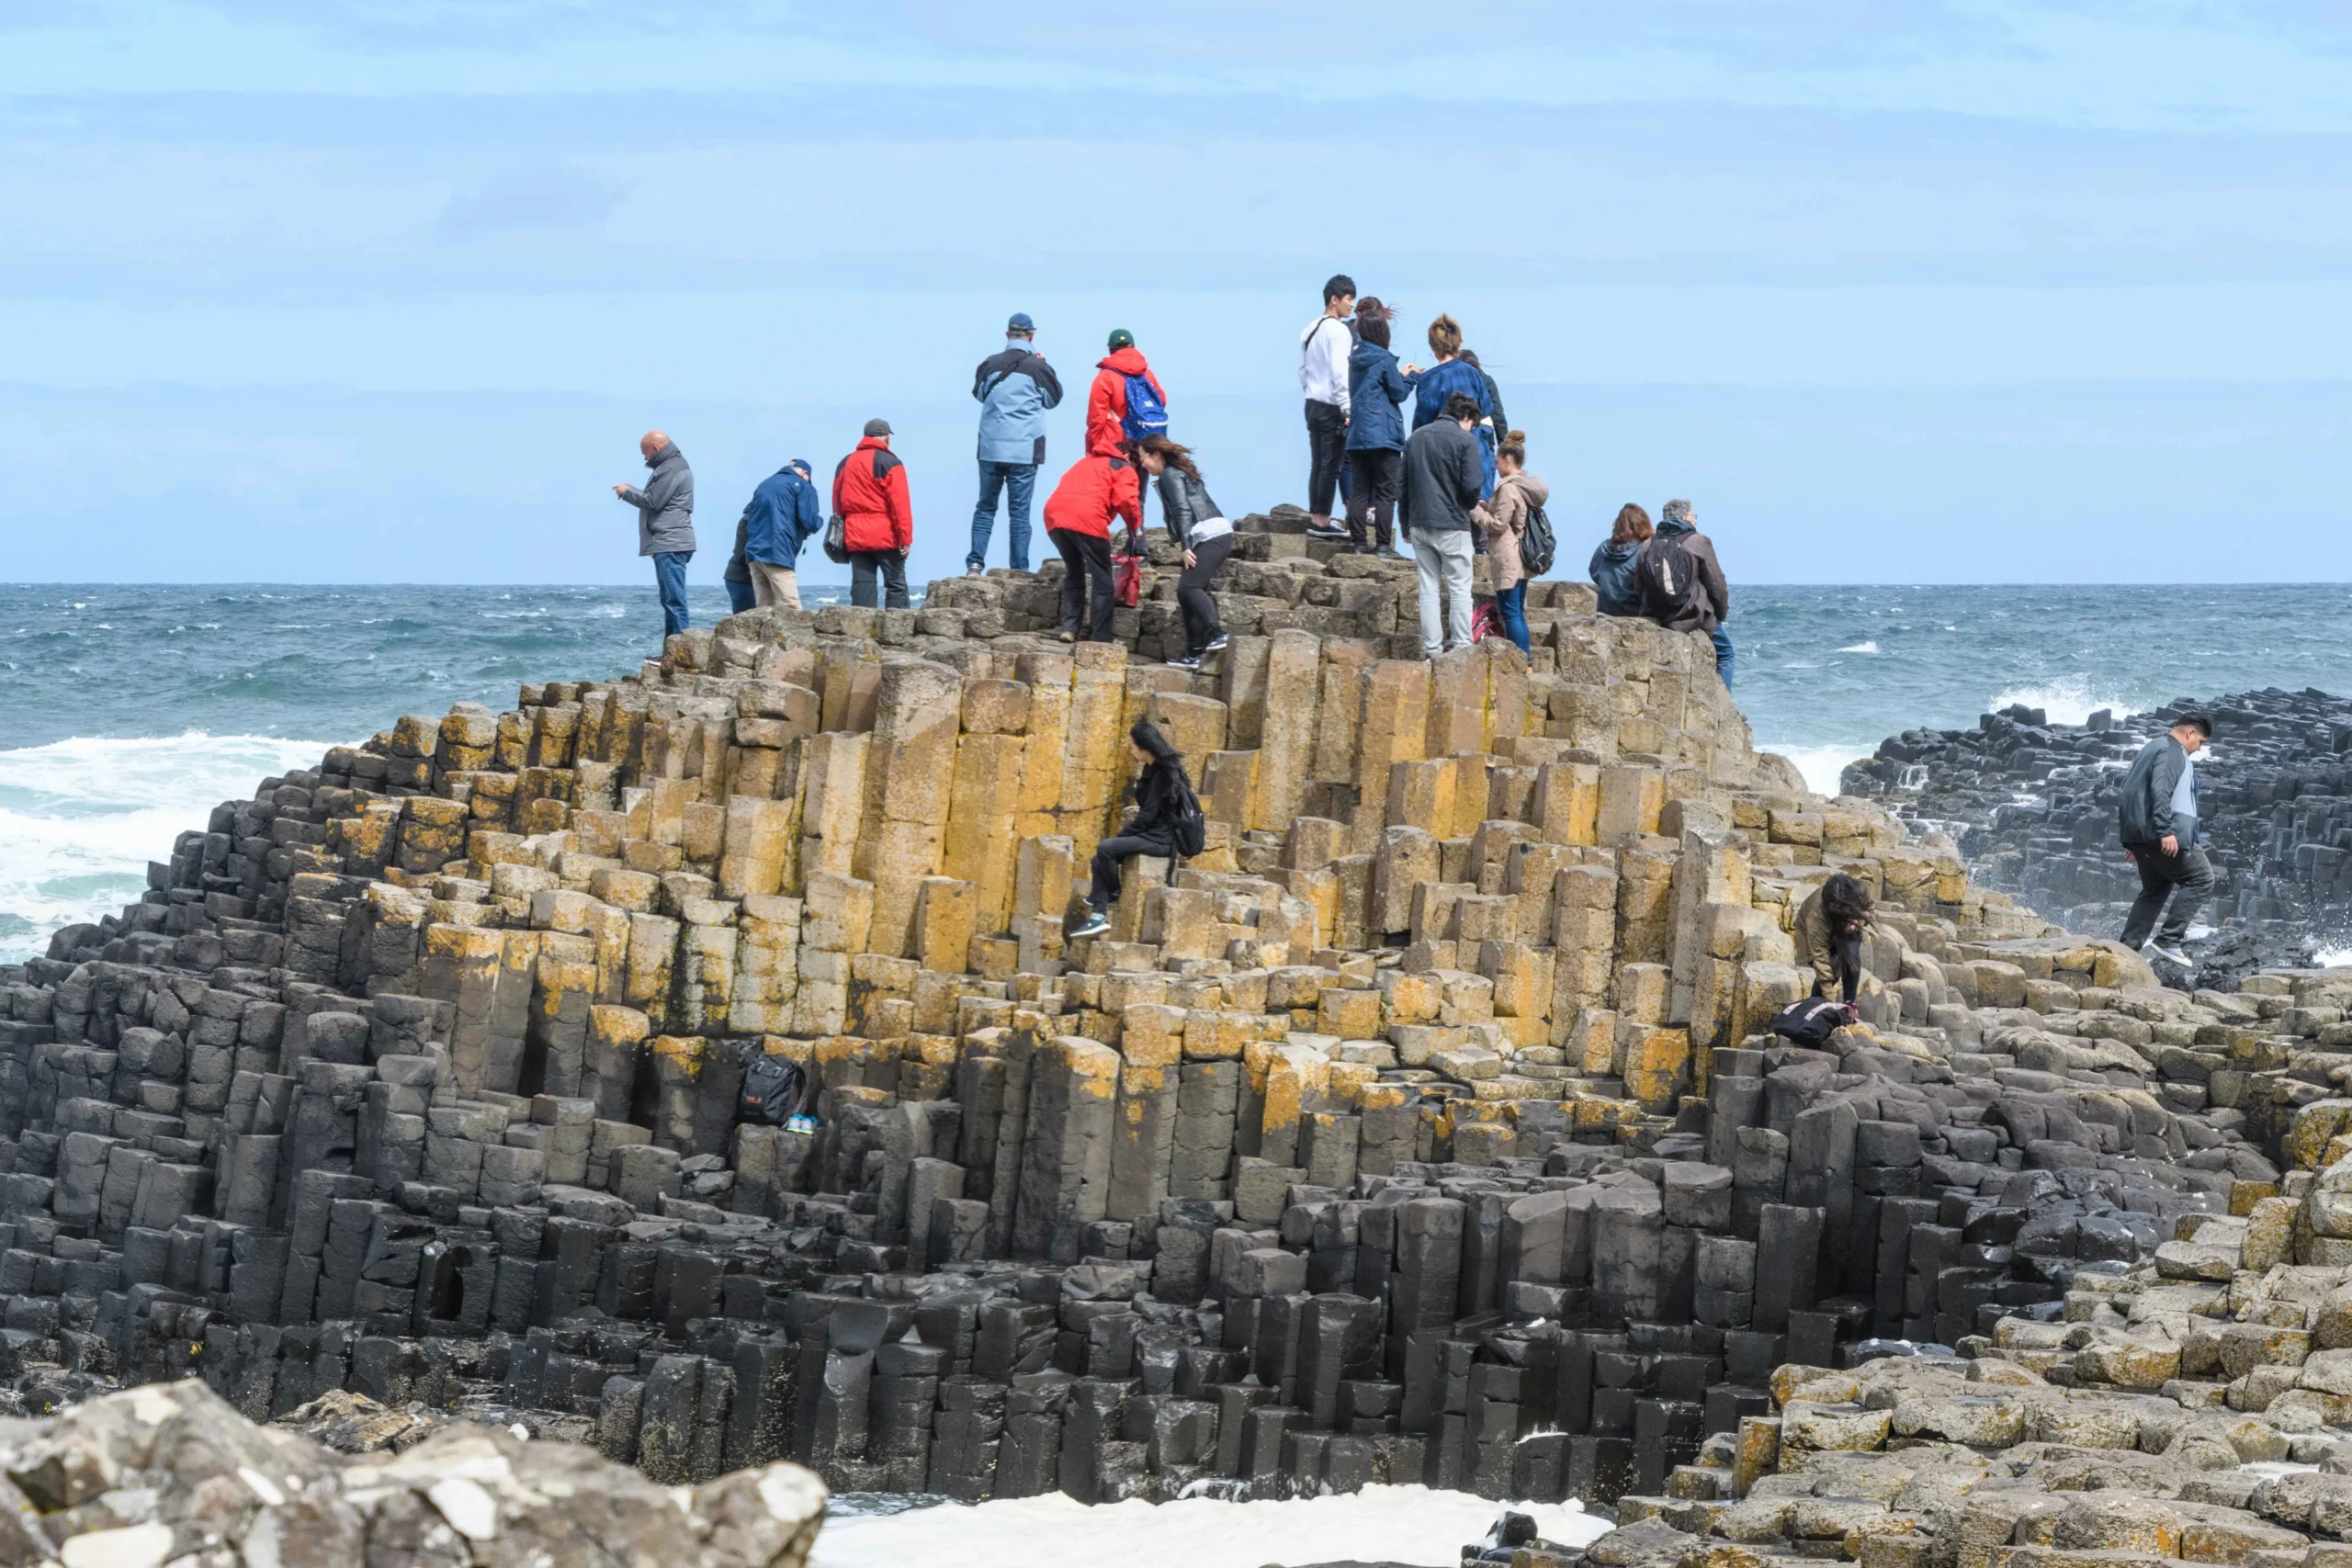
x: 665, y: 523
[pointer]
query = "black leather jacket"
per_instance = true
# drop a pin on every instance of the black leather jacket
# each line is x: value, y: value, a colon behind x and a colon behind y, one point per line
x: 1183, y: 501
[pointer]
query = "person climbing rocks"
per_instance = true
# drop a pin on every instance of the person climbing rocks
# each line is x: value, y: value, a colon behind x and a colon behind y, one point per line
x: 1162, y: 796
x: 1682, y: 582
x: 665, y: 523
x: 781, y: 517
x: 1196, y: 526
x: 1323, y: 352
x: 1014, y: 388
x: 1617, y: 588
x: 1095, y: 491
x: 1503, y: 519
x: 1830, y: 924
x: 1377, y: 388
x: 2156, y: 818
x: 877, y: 519
x: 1443, y: 479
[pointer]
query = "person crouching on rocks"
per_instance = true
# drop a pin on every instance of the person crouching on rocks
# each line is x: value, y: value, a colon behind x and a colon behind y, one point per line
x: 1517, y: 494
x: 1830, y: 935
x: 1079, y: 514
x: 1616, y: 581
x: 2158, y: 817
x: 1160, y: 791
x: 1195, y: 525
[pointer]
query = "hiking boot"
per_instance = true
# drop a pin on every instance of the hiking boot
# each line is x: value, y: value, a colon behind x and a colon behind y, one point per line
x: 2170, y: 954
x: 1095, y: 924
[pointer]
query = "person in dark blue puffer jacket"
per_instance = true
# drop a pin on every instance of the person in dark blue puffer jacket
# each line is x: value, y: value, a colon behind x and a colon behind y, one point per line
x: 1377, y: 388
x: 1613, y: 560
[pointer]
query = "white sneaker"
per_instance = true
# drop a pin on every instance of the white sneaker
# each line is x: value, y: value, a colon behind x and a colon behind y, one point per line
x: 2171, y: 954
x: 971, y: 570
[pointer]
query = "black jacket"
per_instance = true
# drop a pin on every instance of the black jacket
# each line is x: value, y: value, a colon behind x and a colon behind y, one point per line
x: 1183, y: 501
x: 2144, y: 813
x: 1444, y: 472
x: 1155, y: 818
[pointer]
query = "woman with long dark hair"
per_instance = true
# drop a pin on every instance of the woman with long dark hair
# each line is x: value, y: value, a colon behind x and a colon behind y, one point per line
x: 1613, y: 562
x: 1200, y: 529
x: 1159, y: 791
x: 1830, y: 935
x: 1377, y: 388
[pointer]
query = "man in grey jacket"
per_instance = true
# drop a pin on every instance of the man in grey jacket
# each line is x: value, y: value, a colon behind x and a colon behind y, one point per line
x: 665, y: 524
x: 1445, y: 471
x: 2157, y: 818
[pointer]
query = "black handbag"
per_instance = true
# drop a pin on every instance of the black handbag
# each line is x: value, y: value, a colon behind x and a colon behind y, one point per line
x: 837, y: 540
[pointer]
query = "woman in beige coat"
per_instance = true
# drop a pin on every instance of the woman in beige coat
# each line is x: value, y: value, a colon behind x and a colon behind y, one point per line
x: 1517, y: 492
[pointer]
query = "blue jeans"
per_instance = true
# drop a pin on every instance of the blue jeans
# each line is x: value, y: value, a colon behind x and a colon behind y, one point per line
x: 740, y: 595
x: 1510, y: 606
x: 670, y: 577
x: 1021, y: 480
x: 1725, y: 656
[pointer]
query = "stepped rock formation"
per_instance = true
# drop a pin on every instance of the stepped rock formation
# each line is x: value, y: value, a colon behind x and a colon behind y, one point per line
x: 1425, y: 1127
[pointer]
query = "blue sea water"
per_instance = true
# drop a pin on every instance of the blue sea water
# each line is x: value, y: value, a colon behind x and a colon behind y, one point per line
x: 126, y: 711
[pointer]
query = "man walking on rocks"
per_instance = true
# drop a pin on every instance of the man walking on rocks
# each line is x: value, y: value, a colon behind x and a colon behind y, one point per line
x: 877, y: 520
x: 2157, y: 815
x: 1443, y: 476
x: 1323, y: 350
x: 665, y: 523
x: 1014, y: 387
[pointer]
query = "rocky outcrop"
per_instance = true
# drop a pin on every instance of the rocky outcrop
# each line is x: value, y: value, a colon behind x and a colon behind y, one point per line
x: 1426, y: 1126
x: 168, y: 1473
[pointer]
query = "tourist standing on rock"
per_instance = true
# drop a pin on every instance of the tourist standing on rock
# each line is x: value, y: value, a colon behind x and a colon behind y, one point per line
x: 1616, y: 585
x: 783, y: 517
x: 1199, y: 528
x: 1377, y: 388
x: 739, y: 596
x: 1450, y: 375
x: 1518, y: 495
x: 1079, y: 514
x: 665, y: 523
x: 2158, y: 817
x: 1829, y: 930
x: 1162, y: 796
x: 877, y: 520
x: 1682, y: 583
x: 1443, y: 475
x: 1323, y: 351
x: 1124, y: 404
x: 1014, y: 387
x: 1491, y: 433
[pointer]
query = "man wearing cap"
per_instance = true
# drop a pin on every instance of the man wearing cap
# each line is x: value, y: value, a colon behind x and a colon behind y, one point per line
x: 1106, y: 399
x: 780, y: 519
x: 1014, y: 388
x: 877, y: 520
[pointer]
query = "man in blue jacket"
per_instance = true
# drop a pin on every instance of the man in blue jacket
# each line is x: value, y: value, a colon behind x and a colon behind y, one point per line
x: 1014, y: 388
x: 781, y: 518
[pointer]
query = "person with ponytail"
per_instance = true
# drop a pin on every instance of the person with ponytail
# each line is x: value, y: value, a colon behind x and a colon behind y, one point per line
x: 1197, y: 527
x: 1504, y: 518
x: 1160, y: 791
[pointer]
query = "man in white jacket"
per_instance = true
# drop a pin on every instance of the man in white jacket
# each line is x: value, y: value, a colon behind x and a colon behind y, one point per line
x: 1323, y: 350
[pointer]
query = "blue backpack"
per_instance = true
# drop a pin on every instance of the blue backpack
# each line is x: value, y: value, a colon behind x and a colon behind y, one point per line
x: 1147, y: 416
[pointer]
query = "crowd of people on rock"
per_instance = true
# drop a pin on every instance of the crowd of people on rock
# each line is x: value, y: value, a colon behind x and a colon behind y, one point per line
x: 1450, y: 483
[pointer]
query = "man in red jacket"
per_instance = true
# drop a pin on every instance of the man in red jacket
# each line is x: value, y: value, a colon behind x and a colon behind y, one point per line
x: 877, y: 521
x: 1106, y: 399
x: 1077, y: 520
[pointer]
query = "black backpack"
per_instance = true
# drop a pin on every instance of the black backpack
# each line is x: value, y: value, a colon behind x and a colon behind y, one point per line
x: 1669, y: 578
x: 771, y: 1092
x: 1537, y: 546
x: 1811, y: 1022
x: 1190, y: 823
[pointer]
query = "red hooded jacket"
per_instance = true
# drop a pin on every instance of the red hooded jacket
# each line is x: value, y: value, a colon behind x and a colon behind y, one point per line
x: 870, y: 493
x: 1096, y: 490
x: 1106, y: 399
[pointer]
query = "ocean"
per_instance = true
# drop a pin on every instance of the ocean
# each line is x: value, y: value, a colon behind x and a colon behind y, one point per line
x: 128, y: 711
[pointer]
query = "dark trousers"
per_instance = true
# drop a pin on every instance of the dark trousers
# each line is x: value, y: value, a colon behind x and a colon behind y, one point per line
x: 1088, y: 558
x: 863, y: 564
x: 1104, y: 891
x: 1327, y: 448
x: 1192, y: 596
x: 1371, y: 510
x: 2186, y: 879
x: 670, y: 581
x: 738, y: 595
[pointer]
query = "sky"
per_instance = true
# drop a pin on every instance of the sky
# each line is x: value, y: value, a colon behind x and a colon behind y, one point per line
x: 1895, y: 290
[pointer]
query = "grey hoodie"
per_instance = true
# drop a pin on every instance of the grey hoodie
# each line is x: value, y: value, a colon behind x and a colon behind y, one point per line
x: 665, y: 507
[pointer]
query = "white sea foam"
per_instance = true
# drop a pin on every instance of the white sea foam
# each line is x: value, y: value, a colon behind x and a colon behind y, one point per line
x: 1821, y: 765
x: 1392, y: 1524
x: 80, y: 818
x: 2333, y: 958
x: 1860, y: 648
x: 2066, y: 702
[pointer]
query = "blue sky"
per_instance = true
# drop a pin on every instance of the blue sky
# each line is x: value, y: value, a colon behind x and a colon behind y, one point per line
x: 1902, y: 292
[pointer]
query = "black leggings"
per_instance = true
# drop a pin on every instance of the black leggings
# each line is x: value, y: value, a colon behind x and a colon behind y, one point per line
x: 1108, y: 854
x: 1088, y: 560
x: 1371, y: 510
x: 1327, y: 441
x: 1193, y: 597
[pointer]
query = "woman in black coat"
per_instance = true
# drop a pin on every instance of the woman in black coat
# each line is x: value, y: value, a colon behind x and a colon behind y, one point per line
x: 1159, y: 791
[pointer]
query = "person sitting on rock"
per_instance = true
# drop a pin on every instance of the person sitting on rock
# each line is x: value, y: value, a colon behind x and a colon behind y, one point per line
x: 1150, y: 832
x: 1830, y: 935
x: 2157, y: 815
x: 1682, y: 582
x: 1616, y: 584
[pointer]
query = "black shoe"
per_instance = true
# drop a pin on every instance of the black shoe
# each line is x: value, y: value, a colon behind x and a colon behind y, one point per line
x: 1185, y: 662
x: 1216, y: 644
x: 1095, y: 924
